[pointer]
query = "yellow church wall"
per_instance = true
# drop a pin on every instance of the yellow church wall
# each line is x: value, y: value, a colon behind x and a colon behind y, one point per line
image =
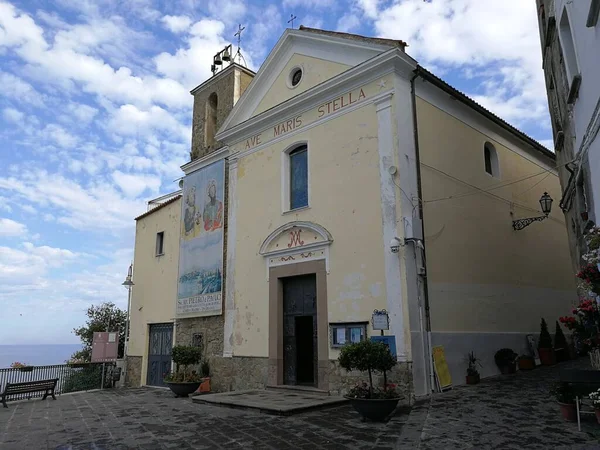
x: 155, y: 277
x: 483, y: 276
x: 344, y: 193
x: 314, y: 71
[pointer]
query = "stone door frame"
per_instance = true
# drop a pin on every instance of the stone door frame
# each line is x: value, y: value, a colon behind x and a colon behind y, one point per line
x: 319, y: 269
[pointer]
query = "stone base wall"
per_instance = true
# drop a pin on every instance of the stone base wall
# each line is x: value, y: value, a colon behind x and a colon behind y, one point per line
x: 211, y: 330
x: 238, y: 373
x: 133, y: 377
x: 241, y: 372
x: 341, y: 381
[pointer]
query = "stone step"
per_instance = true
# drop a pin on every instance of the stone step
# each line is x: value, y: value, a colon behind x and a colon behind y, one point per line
x: 296, y: 388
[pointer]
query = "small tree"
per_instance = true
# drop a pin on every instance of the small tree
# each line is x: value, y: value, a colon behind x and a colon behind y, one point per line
x: 545, y: 338
x: 104, y: 317
x: 184, y: 355
x: 560, y: 341
x: 368, y: 356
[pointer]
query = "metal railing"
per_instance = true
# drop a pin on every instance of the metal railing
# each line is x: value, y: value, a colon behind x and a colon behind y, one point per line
x: 71, y: 377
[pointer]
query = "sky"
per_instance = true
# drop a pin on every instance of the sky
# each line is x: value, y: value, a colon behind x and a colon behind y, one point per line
x: 95, y: 118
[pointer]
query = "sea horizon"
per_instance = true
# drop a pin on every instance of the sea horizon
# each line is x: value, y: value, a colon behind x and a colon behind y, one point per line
x: 36, y: 354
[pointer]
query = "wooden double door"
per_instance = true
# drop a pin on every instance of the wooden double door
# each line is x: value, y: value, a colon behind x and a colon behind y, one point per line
x: 300, y: 335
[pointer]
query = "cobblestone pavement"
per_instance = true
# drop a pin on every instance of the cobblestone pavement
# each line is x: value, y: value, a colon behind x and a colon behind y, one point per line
x: 505, y: 412
x: 147, y: 418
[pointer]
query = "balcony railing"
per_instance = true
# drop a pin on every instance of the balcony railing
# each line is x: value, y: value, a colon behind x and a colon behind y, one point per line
x: 71, y: 377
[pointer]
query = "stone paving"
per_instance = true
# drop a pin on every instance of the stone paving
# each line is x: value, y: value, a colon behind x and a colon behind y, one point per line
x: 146, y: 418
x: 279, y: 402
x: 507, y: 412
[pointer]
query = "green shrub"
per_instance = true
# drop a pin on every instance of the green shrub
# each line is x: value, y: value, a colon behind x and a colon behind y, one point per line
x: 545, y: 338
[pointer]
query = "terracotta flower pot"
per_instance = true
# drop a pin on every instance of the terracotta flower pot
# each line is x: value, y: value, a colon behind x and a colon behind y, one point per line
x: 205, y: 385
x: 473, y: 379
x: 526, y: 364
x: 547, y: 356
x: 569, y: 412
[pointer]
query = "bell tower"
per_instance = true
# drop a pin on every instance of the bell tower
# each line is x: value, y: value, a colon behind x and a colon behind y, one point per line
x: 213, y: 101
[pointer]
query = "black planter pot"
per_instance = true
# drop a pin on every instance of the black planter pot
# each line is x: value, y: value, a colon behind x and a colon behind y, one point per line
x: 183, y: 389
x: 374, y: 409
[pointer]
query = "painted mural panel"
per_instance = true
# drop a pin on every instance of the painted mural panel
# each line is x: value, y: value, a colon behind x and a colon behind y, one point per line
x: 201, y: 250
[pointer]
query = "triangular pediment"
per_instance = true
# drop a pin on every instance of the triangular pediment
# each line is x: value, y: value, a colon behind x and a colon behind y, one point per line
x: 321, y: 57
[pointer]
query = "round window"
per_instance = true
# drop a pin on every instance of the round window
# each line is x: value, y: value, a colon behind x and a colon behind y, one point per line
x: 296, y: 77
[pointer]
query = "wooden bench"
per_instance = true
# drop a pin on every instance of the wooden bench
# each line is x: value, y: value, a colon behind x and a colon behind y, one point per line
x: 29, y: 387
x: 583, y: 381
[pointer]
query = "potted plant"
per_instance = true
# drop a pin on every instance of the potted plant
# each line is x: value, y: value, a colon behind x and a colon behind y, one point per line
x: 565, y: 396
x: 22, y: 367
x: 506, y: 360
x: 472, y: 371
x: 526, y: 362
x: 184, y: 381
x: 368, y: 356
x: 561, y: 347
x: 595, y: 398
x: 545, y: 349
x: 205, y: 374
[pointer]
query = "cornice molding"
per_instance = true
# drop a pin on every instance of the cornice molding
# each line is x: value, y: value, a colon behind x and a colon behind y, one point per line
x: 206, y: 160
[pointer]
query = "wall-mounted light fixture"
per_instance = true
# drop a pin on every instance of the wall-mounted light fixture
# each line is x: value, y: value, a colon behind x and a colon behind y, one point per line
x: 545, y: 203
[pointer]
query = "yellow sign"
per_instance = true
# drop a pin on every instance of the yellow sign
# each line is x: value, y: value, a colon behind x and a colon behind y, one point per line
x: 441, y: 367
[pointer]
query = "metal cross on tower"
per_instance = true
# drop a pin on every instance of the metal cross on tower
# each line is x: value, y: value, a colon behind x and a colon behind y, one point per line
x: 292, y: 18
x: 239, y: 40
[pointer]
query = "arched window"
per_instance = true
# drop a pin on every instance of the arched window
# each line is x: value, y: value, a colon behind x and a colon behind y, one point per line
x: 210, y: 120
x: 298, y: 166
x: 490, y: 157
x: 568, y: 46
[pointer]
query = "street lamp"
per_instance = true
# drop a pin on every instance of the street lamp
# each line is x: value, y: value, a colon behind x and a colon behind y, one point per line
x: 128, y: 284
x: 545, y: 203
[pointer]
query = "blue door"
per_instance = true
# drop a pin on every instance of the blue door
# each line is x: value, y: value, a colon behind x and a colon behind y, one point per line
x: 159, y: 353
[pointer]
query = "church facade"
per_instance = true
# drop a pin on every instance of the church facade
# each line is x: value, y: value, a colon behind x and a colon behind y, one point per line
x: 347, y: 180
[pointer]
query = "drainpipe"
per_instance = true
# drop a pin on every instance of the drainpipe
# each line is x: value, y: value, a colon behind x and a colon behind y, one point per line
x: 427, y: 351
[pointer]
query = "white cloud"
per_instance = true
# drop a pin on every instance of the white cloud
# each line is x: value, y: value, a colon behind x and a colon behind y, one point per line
x: 59, y: 136
x: 129, y: 120
x: 10, y: 228
x: 309, y: 4
x: 12, y: 115
x: 449, y: 34
x: 177, y: 24
x: 228, y: 10
x: 191, y: 65
x: 83, y: 113
x: 370, y: 7
x: 348, y: 22
x: 14, y: 87
x: 134, y: 185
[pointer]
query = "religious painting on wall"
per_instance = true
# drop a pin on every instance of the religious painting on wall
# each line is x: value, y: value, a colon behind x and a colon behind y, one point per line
x: 201, y: 244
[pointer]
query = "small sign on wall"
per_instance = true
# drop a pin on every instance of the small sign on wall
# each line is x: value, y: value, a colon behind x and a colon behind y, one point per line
x: 380, y: 320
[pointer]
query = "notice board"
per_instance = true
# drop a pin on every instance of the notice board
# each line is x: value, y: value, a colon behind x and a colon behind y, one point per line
x: 441, y: 368
x: 105, y: 346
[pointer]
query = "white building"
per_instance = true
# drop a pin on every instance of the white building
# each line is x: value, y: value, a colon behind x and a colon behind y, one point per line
x: 570, y: 36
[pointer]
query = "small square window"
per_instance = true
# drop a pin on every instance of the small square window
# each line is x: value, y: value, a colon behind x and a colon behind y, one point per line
x: 160, y: 240
x: 345, y: 333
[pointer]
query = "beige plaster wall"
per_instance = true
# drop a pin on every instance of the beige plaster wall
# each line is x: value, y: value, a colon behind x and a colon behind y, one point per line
x: 315, y: 71
x: 344, y: 198
x: 482, y: 275
x: 155, y: 277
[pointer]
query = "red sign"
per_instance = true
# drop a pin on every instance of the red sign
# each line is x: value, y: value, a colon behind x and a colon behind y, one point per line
x: 105, y: 346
